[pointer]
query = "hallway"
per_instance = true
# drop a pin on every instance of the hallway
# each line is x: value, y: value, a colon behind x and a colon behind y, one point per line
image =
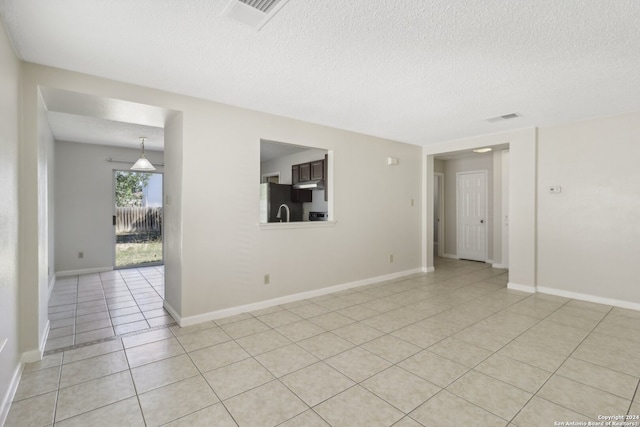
x: 93, y: 307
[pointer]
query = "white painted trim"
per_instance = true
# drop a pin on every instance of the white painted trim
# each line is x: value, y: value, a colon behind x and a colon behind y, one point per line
x: 523, y: 288
x: 5, y: 405
x: 31, y: 356
x: 36, y: 355
x: 499, y: 266
x: 590, y: 298
x: 489, y: 261
x: 428, y: 269
x: 83, y: 271
x: 172, y: 311
x: 297, y: 224
x: 268, y: 175
x: 450, y: 256
x: 226, y: 312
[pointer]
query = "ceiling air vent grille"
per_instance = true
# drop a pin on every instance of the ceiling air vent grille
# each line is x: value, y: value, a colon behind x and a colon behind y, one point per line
x: 254, y: 13
x: 505, y: 117
x: 262, y: 5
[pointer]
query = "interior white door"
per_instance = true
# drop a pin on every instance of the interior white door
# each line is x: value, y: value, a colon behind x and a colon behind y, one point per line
x: 472, y: 215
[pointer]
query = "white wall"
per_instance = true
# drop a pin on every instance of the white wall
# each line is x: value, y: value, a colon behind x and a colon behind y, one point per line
x: 496, y: 211
x: 9, y: 133
x: 226, y: 256
x: 34, y: 234
x: 84, y: 203
x: 589, y: 234
x: 173, y: 211
x: 500, y: 208
x: 45, y: 235
x: 438, y: 166
x: 481, y: 162
x: 223, y: 253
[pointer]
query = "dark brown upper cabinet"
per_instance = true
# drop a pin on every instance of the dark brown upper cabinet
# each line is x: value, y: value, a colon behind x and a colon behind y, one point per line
x: 305, y: 172
x: 311, y: 171
x: 317, y: 170
x: 295, y: 174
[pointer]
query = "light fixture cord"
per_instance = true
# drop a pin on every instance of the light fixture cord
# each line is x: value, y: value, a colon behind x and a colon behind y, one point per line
x: 142, y: 145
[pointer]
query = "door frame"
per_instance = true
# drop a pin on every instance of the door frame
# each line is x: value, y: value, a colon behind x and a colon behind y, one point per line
x: 486, y: 211
x: 113, y: 213
x: 264, y: 177
x: 440, y: 182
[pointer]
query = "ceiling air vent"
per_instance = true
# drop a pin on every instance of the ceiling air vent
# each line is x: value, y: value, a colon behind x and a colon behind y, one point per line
x: 254, y: 13
x: 505, y: 117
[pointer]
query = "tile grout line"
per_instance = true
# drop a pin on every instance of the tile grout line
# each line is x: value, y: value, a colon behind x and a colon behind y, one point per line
x: 356, y: 383
x: 269, y: 327
x: 107, y: 339
x: 392, y: 364
x: 561, y: 364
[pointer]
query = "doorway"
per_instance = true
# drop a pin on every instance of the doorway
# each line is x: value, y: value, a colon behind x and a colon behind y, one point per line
x: 472, y: 215
x: 138, y: 219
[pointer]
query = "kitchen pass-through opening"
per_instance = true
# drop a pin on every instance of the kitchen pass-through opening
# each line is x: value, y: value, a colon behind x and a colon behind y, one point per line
x: 294, y: 183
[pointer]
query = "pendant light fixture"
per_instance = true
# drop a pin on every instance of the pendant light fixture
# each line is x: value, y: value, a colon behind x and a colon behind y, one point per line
x: 142, y: 164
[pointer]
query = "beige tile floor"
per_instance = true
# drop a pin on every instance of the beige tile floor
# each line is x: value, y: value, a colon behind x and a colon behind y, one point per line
x: 449, y: 348
x: 91, y: 307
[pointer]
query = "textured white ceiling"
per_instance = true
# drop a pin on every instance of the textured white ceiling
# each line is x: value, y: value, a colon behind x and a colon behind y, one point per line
x: 418, y: 71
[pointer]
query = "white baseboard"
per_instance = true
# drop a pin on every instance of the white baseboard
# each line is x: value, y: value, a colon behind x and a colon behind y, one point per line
x: 172, y: 311
x: 428, y: 269
x: 450, y: 256
x: 226, y: 312
x: 83, y: 271
x: 590, y: 298
x: 5, y: 404
x: 524, y: 288
x: 36, y: 354
x: 499, y: 266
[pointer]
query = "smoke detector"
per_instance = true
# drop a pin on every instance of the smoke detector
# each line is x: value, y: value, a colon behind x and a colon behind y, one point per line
x: 502, y: 118
x: 254, y: 13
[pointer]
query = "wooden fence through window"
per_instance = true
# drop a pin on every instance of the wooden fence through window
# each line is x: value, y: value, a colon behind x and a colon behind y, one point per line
x: 131, y: 219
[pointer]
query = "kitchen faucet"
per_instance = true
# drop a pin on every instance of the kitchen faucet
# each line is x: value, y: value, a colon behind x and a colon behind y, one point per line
x: 286, y: 208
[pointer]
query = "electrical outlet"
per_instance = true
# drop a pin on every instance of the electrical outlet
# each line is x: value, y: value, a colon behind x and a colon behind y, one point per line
x: 81, y: 255
x: 267, y: 279
x: 555, y: 189
x: 391, y: 258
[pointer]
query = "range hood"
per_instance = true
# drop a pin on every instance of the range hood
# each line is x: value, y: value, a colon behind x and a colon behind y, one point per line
x: 317, y: 184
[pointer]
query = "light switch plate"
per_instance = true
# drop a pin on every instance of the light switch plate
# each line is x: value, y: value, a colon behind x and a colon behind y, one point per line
x: 555, y: 189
